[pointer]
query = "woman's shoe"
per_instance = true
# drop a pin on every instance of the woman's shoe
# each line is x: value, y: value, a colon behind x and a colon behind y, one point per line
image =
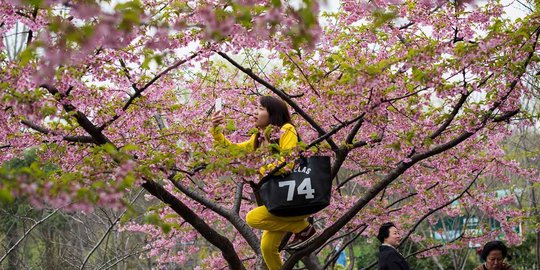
x: 302, y: 238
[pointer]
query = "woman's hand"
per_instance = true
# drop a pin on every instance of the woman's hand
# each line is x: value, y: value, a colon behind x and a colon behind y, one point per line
x: 217, y: 119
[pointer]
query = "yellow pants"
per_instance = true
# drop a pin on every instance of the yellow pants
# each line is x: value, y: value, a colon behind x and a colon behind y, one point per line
x: 274, y: 228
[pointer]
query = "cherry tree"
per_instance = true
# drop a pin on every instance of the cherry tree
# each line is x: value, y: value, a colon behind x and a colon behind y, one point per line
x: 410, y: 98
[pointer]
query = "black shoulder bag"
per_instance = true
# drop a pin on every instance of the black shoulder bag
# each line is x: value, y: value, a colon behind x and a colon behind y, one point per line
x: 305, y: 190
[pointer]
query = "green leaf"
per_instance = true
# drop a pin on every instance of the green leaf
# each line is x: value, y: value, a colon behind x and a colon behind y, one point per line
x: 166, y: 227
x: 27, y: 55
x: 409, y: 135
x: 230, y: 126
x: 418, y: 75
x: 6, y: 196
x: 276, y: 3
x: 152, y: 218
x: 131, y: 147
x: 396, y: 146
x: 109, y: 148
x: 127, y: 181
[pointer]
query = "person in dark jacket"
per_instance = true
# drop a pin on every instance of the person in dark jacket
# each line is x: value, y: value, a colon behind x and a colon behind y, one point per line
x: 493, y: 254
x: 389, y: 257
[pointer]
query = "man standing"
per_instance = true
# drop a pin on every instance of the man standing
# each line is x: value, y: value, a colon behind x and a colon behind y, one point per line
x: 389, y: 257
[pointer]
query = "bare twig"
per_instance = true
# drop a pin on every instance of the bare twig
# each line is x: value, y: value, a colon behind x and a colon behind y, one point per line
x: 303, y: 75
x: 26, y: 234
x: 107, y: 232
x: 139, y: 91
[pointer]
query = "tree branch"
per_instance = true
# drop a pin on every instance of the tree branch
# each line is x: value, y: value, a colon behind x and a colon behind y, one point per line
x: 450, y: 118
x: 118, y: 260
x: 83, y: 121
x: 345, y: 245
x: 138, y: 91
x: 336, y: 129
x: 505, y: 117
x: 303, y: 75
x: 355, y: 129
x: 439, y: 208
x: 77, y: 139
x: 232, y: 217
x: 238, y: 197
x: 408, y: 196
x: 218, y: 240
x: 354, y: 176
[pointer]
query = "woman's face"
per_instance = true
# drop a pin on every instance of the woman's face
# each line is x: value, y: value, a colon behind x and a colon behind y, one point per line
x: 494, y: 260
x: 394, y: 237
x: 262, y: 117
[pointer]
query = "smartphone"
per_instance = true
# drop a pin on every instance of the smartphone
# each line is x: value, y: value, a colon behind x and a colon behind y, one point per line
x: 218, y: 105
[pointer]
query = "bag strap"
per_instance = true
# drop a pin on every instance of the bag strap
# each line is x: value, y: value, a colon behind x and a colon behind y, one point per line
x: 255, y: 187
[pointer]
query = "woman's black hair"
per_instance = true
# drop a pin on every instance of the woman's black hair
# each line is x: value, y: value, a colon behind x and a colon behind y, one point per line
x: 384, y: 231
x: 278, y: 112
x: 494, y: 245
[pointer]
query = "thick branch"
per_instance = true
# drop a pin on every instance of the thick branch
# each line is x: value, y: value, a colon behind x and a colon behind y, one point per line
x: 232, y: 217
x: 505, y: 117
x: 221, y: 242
x: 83, y: 121
x: 78, y: 139
x: 355, y: 129
x: 450, y: 118
x: 238, y: 197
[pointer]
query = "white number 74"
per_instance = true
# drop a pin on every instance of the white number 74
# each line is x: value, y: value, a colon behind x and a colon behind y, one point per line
x: 303, y: 189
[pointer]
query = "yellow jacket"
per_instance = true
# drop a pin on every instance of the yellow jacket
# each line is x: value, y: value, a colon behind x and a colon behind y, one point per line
x: 287, y: 141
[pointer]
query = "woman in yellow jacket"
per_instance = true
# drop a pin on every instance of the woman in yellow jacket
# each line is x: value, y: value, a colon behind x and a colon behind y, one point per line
x: 271, y: 111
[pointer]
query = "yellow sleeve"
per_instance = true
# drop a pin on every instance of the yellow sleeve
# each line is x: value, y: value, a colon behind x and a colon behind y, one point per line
x: 287, y: 141
x: 219, y: 138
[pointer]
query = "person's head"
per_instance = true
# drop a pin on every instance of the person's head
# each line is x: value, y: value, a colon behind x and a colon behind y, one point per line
x: 493, y: 254
x: 389, y: 234
x: 272, y: 111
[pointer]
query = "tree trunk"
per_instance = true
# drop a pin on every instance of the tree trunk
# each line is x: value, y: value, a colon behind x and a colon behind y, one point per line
x: 311, y: 262
x: 435, y: 259
x: 536, y: 213
x: 12, y: 238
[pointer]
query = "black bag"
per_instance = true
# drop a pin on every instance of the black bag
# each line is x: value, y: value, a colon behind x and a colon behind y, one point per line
x: 306, y: 190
